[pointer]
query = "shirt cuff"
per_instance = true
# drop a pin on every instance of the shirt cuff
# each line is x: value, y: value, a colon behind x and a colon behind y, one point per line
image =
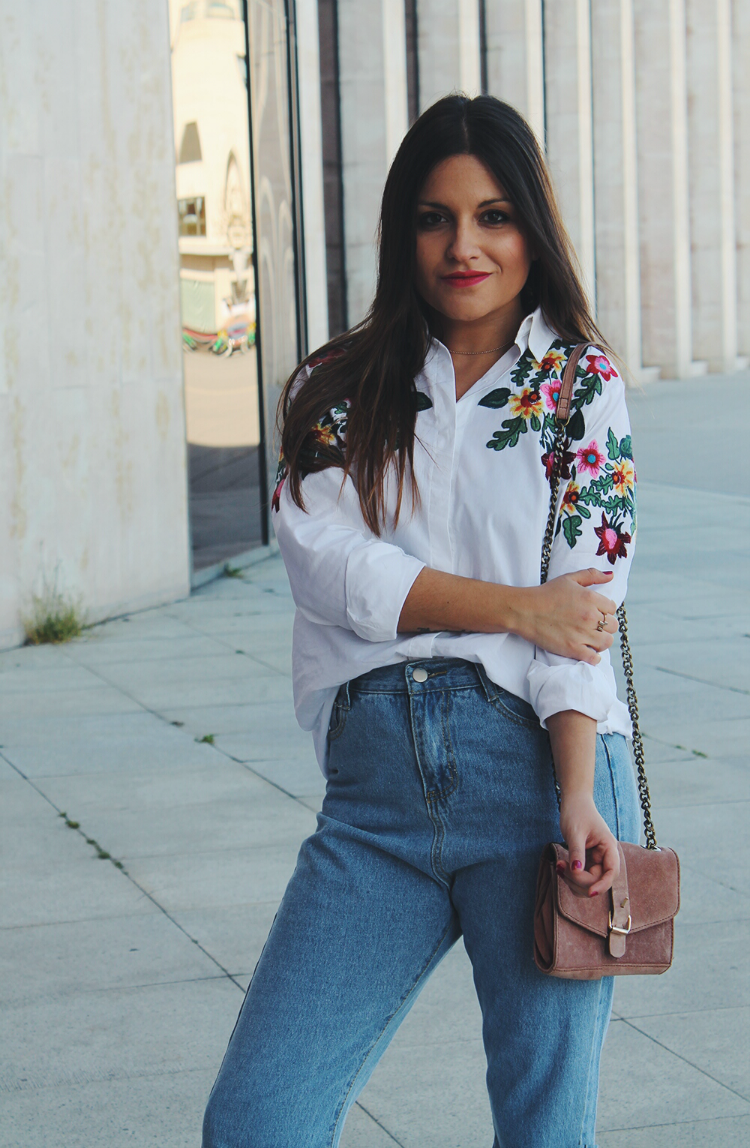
x: 591, y: 690
x: 378, y: 580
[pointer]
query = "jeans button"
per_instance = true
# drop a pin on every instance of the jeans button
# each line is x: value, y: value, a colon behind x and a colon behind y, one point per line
x: 420, y: 674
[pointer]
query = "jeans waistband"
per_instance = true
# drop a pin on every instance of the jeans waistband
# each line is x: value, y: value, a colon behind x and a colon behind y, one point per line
x: 442, y: 674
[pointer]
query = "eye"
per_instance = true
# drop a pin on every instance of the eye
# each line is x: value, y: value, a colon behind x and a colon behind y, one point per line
x: 495, y: 216
x: 428, y: 219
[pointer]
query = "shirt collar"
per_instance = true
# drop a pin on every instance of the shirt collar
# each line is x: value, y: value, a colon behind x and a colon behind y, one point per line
x: 535, y: 334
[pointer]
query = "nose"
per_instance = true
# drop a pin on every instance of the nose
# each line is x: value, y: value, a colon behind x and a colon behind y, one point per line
x: 463, y: 244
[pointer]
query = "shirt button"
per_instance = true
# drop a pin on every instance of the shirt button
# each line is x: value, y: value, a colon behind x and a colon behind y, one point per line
x: 420, y: 674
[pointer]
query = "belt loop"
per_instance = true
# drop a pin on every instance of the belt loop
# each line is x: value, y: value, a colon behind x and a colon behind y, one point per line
x: 342, y: 697
x: 488, y: 686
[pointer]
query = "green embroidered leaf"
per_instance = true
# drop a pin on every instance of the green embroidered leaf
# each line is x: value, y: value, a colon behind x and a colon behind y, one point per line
x: 572, y: 529
x: 509, y: 436
x: 535, y: 423
x: 583, y: 510
x: 613, y: 447
x: 523, y: 368
x: 626, y: 447
x: 422, y: 401
x: 495, y: 399
x: 576, y: 426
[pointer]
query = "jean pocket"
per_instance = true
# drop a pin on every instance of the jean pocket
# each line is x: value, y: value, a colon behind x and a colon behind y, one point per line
x: 516, y: 708
x: 339, y: 714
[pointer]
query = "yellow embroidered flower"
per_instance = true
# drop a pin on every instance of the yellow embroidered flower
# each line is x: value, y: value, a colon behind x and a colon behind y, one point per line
x: 552, y: 361
x: 527, y: 404
x: 570, y: 498
x: 623, y: 475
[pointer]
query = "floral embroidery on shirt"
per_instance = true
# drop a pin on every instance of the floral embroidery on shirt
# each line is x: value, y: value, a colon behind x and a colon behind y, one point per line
x: 599, y: 477
x: 611, y: 490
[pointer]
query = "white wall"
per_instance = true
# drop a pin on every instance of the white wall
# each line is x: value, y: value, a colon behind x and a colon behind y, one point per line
x: 92, y: 434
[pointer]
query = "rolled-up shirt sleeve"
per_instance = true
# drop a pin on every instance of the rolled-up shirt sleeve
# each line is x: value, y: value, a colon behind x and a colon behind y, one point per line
x: 596, y: 528
x: 340, y: 573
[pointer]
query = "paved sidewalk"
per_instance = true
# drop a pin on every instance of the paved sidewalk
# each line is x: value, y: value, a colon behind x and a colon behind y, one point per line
x: 154, y: 789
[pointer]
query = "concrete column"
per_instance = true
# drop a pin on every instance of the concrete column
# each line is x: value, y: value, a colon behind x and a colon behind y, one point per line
x: 663, y: 175
x: 569, y: 121
x: 308, y: 67
x: 449, y: 50
x: 515, y: 57
x: 372, y: 76
x: 711, y: 166
x: 616, y: 179
x: 741, y: 103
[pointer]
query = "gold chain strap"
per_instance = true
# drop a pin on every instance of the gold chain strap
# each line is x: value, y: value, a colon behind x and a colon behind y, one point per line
x: 627, y: 656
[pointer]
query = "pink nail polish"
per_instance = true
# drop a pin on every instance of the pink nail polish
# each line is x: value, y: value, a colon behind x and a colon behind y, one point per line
x: 577, y: 865
x: 596, y: 894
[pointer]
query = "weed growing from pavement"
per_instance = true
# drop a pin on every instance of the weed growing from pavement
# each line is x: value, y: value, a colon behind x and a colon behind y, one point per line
x: 102, y: 854
x: 54, y: 617
x: 207, y: 739
x: 232, y: 571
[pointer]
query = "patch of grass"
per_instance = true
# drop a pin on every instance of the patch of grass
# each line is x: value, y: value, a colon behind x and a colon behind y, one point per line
x: 102, y: 854
x: 207, y: 739
x: 698, y: 753
x: 54, y: 617
x: 232, y: 571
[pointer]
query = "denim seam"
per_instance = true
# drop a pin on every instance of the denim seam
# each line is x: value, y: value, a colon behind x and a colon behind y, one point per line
x: 436, y: 851
x: 613, y: 783
x: 527, y: 723
x: 587, y: 1094
x: 373, y: 1046
x: 405, y: 689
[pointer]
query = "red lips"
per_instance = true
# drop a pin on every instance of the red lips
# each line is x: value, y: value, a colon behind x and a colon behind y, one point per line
x: 465, y: 278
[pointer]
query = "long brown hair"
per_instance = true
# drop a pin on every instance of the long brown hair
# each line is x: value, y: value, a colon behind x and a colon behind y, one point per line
x: 374, y: 364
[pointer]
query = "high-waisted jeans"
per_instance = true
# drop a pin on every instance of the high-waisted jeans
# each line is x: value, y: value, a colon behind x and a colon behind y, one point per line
x: 439, y: 801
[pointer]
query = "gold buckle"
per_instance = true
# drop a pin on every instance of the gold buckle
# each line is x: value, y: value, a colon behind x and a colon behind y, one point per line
x: 614, y: 929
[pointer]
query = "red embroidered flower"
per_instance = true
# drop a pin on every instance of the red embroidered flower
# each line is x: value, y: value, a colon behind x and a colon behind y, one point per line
x: 590, y: 458
x: 548, y: 460
x: 600, y: 365
x: 611, y: 541
x: 275, y: 501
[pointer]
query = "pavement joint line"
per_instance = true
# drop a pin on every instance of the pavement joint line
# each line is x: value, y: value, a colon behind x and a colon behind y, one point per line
x: 702, y: 681
x: 693, y: 869
x: 671, y: 1123
x: 379, y: 1124
x: 117, y: 864
x: 684, y: 1059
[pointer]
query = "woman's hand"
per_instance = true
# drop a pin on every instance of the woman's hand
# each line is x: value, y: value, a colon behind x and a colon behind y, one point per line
x: 594, y: 859
x: 563, y: 616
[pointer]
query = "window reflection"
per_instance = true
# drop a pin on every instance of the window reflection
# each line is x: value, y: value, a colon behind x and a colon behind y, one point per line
x: 212, y: 154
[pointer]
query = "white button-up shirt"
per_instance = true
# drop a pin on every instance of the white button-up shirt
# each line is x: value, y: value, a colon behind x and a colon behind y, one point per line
x: 482, y: 467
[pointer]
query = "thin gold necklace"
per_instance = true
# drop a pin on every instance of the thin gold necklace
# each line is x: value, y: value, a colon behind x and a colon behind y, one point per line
x: 491, y: 351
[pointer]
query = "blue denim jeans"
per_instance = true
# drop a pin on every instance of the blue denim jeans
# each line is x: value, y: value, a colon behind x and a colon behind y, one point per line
x: 439, y: 802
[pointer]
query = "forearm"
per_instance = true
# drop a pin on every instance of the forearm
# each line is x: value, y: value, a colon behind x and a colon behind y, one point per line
x: 562, y: 616
x: 439, y: 601
x: 573, y: 740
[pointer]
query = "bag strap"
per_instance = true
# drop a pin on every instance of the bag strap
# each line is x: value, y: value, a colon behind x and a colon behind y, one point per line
x: 562, y: 414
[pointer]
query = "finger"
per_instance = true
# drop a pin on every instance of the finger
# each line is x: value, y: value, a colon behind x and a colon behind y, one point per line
x: 589, y: 655
x: 611, y: 625
x: 592, y: 577
x: 577, y: 856
x: 600, y: 640
x: 601, y: 604
x: 611, y: 866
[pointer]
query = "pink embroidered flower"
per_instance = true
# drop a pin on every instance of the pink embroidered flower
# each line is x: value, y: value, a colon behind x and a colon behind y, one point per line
x: 551, y: 392
x: 600, y: 365
x: 611, y: 541
x: 590, y: 458
x: 527, y: 404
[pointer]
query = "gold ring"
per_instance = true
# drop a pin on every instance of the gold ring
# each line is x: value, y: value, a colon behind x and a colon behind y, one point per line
x: 601, y: 624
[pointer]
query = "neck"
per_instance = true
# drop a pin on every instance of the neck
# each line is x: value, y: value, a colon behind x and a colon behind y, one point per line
x: 496, y: 330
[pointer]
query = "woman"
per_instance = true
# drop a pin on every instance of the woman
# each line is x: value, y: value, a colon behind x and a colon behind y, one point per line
x: 440, y: 680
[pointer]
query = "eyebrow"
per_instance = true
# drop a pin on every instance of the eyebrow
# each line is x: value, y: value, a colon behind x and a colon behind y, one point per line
x: 484, y: 203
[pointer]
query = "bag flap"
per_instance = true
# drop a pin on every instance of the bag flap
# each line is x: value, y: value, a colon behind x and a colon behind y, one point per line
x: 653, y: 887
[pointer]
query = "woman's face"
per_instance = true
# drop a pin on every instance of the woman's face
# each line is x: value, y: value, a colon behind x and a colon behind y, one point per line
x: 473, y: 258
